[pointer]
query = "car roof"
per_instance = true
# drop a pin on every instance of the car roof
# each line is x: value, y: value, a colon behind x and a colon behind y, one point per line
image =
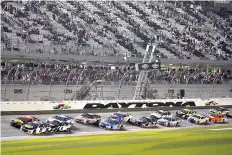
x: 64, y: 116
x: 28, y: 117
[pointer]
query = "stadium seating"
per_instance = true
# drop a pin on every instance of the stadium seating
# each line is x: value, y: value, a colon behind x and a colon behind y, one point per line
x: 181, y: 30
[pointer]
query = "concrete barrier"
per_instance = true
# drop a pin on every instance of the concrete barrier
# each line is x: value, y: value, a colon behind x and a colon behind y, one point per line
x: 20, y: 106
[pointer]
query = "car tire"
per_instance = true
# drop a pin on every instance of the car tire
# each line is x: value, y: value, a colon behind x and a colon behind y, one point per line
x: 177, y: 124
x: 97, y: 123
x: 68, y: 130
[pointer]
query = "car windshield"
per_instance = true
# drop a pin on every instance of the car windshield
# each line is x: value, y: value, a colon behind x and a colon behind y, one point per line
x: 61, y: 118
x: 167, y: 118
x: 89, y: 116
x: 112, y: 121
x: 143, y: 119
x: 160, y: 112
x: 197, y: 116
x: 184, y: 111
x: 34, y: 124
x: 119, y: 114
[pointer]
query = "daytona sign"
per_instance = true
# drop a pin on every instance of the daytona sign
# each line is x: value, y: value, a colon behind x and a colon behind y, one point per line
x: 138, y: 104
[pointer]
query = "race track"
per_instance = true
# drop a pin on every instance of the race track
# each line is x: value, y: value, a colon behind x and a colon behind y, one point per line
x: 11, y: 133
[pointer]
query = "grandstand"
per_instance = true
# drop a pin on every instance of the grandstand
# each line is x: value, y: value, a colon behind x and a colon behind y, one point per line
x: 77, y: 50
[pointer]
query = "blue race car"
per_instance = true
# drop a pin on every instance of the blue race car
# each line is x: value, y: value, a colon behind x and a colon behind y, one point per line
x: 35, y: 127
x: 125, y: 117
x: 198, y: 119
x: 112, y: 124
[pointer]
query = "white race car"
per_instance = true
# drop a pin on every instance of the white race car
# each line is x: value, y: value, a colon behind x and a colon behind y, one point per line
x: 88, y: 119
x: 160, y: 113
x: 61, y: 119
x: 198, y: 119
x: 168, y: 121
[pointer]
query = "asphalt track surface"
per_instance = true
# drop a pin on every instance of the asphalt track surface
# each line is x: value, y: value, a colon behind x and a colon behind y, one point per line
x: 10, y: 133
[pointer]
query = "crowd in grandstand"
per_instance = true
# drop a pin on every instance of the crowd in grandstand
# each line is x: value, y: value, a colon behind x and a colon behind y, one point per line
x: 60, y: 73
x: 181, y: 30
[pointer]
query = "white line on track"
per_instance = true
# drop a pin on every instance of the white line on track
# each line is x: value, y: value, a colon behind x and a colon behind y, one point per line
x: 79, y: 134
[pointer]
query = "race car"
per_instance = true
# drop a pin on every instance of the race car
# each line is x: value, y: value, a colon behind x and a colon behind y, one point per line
x: 144, y: 122
x: 169, y: 121
x: 88, y: 119
x: 61, y: 119
x: 35, y: 127
x: 185, y: 113
x: 62, y: 106
x: 57, y: 126
x: 219, y: 110
x: 126, y: 117
x: 112, y: 124
x: 160, y: 113
x: 217, y: 118
x: 198, y: 119
x: 18, y: 122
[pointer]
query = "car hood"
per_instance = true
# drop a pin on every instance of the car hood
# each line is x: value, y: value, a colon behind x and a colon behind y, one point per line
x: 162, y: 120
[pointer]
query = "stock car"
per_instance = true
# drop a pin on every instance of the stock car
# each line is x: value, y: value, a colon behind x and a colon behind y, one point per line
x: 144, y: 122
x: 160, y: 113
x: 112, y: 124
x: 18, y: 122
x: 219, y: 110
x: 62, y: 106
x: 185, y: 113
x: 125, y: 116
x: 169, y: 121
x: 87, y: 118
x: 61, y: 119
x: 217, y: 118
x: 35, y: 127
x: 56, y: 126
x: 198, y: 119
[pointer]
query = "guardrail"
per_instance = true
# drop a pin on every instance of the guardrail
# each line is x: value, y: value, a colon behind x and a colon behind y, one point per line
x: 46, y: 107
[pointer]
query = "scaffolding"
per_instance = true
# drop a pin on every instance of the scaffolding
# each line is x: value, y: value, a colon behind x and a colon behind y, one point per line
x: 143, y: 79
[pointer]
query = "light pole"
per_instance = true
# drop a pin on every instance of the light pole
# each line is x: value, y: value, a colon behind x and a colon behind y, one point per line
x: 7, y: 79
x: 186, y: 87
x: 51, y: 82
x: 29, y: 84
x: 202, y: 83
x: 120, y: 86
x: 215, y: 79
x: 67, y: 82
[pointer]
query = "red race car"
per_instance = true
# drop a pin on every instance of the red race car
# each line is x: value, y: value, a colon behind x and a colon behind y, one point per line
x: 18, y: 122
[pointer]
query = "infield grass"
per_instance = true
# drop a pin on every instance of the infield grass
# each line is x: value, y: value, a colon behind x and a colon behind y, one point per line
x: 194, y: 141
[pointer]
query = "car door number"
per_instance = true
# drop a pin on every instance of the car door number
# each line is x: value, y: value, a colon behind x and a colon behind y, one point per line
x: 41, y: 130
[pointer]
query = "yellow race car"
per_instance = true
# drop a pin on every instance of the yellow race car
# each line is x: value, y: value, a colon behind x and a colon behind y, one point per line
x: 18, y: 122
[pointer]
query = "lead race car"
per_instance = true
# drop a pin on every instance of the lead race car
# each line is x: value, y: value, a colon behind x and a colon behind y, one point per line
x: 145, y: 122
x: 35, y: 127
x: 220, y: 110
x: 88, y: 118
